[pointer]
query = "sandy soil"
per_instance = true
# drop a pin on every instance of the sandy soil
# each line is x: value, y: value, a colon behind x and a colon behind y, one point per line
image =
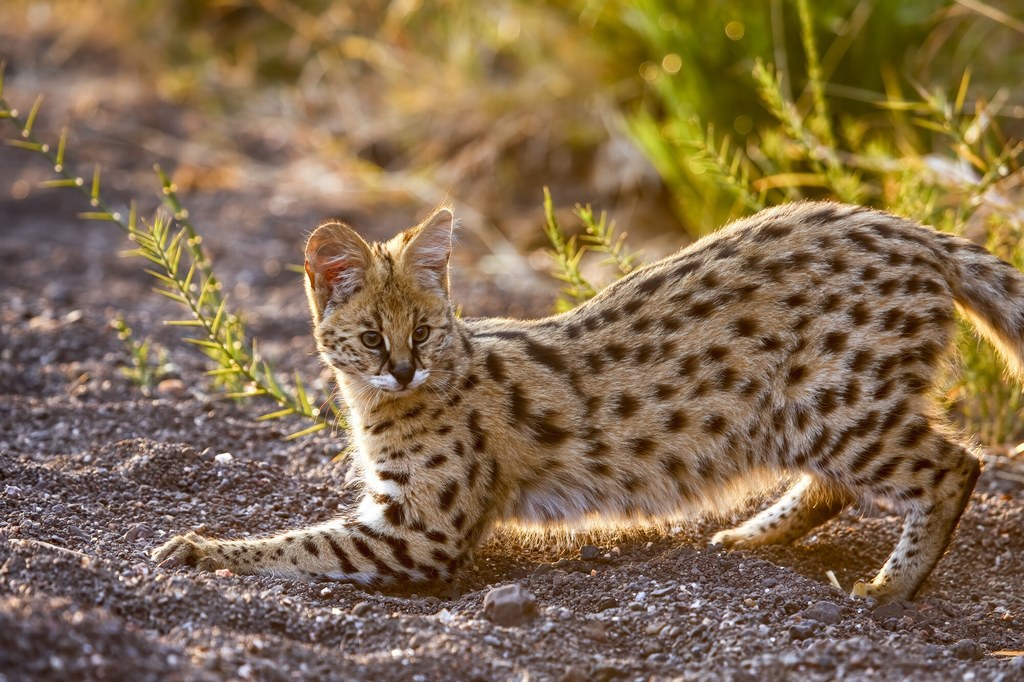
x: 94, y: 474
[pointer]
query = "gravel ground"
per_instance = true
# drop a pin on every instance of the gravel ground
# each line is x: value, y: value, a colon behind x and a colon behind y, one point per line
x: 94, y: 474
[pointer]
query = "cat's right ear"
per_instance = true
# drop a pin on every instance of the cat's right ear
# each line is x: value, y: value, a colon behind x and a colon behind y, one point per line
x: 336, y: 262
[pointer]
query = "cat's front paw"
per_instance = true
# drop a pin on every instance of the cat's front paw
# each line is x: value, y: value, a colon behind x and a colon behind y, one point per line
x: 730, y: 539
x: 190, y: 549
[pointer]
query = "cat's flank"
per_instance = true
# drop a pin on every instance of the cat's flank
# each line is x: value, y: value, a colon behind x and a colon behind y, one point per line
x: 801, y: 342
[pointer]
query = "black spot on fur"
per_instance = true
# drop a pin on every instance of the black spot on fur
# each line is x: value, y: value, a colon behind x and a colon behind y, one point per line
x: 914, y: 432
x: 546, y: 355
x: 825, y: 401
x: 887, y: 287
x: 651, y: 283
x: 701, y: 309
x: 399, y: 477
x: 625, y: 405
x: 715, y: 353
x: 834, y: 342
x: 865, y: 455
x: 436, y: 461
x: 685, y: 268
x: 725, y: 379
x: 796, y: 374
x: 479, y: 438
x: 496, y: 367
x: 674, y: 466
x: 744, y: 326
x: 715, y: 424
x: 770, y: 232
x: 643, y: 354
x: 860, y: 314
x: 851, y: 392
x: 676, y: 421
x: 860, y: 360
x: 446, y: 497
x: 630, y: 307
x: 688, y: 365
x: 642, y: 447
x: 616, y: 351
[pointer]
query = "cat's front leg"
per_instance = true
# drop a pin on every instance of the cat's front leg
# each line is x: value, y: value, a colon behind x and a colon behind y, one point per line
x: 358, y: 550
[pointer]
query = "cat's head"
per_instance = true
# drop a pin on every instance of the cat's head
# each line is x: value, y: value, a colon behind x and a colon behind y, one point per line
x: 381, y: 312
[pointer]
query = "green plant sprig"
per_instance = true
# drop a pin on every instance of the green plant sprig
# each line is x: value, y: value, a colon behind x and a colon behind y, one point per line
x: 145, y: 370
x: 222, y: 338
x: 567, y: 254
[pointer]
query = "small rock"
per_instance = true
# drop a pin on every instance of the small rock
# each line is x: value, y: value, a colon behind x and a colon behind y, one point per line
x: 607, y: 603
x: 654, y: 628
x: 805, y: 629
x: 886, y: 611
x: 542, y: 569
x: 509, y: 605
x: 173, y: 388
x: 138, y: 531
x: 12, y: 491
x: 223, y: 458
x: 594, y: 630
x: 361, y: 609
x: 609, y: 672
x: 824, y: 612
x: 967, y: 650
x: 589, y: 552
x: 575, y: 673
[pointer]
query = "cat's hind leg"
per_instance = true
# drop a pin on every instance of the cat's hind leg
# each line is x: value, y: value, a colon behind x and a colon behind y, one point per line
x: 935, y: 490
x: 808, y: 504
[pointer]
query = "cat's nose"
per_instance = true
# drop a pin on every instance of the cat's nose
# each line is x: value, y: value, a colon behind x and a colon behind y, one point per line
x: 403, y: 373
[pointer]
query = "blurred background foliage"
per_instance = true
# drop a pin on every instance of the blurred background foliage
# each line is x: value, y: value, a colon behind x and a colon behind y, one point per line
x: 673, y: 116
x: 602, y: 99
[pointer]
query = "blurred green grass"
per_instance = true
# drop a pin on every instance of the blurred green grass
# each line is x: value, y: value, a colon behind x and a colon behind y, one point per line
x: 680, y: 114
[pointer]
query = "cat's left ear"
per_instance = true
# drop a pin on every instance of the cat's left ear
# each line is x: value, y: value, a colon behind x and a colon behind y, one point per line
x: 428, y: 247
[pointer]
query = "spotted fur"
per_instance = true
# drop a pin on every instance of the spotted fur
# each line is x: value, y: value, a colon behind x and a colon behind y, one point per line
x: 802, y: 342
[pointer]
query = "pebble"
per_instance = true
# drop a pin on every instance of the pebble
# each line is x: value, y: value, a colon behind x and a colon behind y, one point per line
x: 137, y: 531
x: 174, y: 388
x: 361, y: 609
x: 886, y: 611
x: 12, y: 491
x: 805, y: 629
x: 223, y: 458
x: 654, y: 628
x: 575, y: 673
x: 589, y: 552
x: 967, y: 650
x: 824, y: 612
x: 509, y: 605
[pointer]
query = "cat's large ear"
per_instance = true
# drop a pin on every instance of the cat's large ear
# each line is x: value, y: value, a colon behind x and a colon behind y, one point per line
x: 336, y: 262
x: 428, y: 247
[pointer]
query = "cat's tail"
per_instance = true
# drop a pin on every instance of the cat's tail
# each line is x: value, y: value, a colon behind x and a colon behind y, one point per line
x: 990, y: 292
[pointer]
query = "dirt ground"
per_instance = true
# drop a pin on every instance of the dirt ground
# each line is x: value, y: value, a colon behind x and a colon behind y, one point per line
x: 94, y: 474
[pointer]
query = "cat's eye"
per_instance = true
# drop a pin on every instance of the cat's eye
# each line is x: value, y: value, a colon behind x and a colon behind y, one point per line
x: 420, y: 333
x: 371, y: 339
